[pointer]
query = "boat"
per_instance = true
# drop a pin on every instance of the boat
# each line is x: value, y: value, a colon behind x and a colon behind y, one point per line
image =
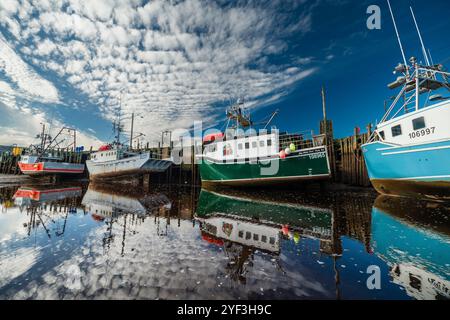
x: 116, y: 160
x: 247, y: 158
x: 42, y: 159
x: 407, y: 152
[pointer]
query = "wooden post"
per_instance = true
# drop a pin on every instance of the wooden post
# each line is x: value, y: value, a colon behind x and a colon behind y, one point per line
x: 326, y: 128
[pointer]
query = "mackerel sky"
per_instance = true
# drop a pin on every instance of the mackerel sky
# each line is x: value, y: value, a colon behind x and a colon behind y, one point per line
x: 68, y: 62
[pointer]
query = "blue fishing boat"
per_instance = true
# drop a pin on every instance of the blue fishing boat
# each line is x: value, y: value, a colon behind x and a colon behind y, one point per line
x: 408, y: 153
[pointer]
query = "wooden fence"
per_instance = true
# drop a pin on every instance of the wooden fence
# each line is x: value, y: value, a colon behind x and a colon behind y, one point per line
x: 350, y: 165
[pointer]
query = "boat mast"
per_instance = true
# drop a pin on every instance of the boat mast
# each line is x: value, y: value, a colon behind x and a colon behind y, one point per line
x: 42, y: 139
x: 131, y: 134
x: 398, y: 38
x: 427, y: 61
x: 324, y: 110
x: 271, y: 118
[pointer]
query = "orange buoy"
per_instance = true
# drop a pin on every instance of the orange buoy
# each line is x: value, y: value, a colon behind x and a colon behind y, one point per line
x: 285, y: 230
x: 282, y: 154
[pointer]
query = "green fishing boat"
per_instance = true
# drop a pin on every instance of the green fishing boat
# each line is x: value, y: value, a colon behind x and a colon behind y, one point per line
x: 241, y: 158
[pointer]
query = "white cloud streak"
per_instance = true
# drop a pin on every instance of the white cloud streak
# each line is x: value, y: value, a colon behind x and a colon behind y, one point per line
x: 175, y: 59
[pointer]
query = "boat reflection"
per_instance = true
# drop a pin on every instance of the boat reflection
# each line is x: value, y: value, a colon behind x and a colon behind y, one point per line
x: 48, y: 207
x: 413, y: 237
x: 126, y: 210
x: 242, y: 226
x: 26, y: 196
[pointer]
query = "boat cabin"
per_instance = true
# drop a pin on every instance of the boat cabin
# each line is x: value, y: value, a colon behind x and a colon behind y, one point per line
x: 430, y: 123
x: 107, y: 155
x: 241, y: 149
x: 248, y: 233
x: 28, y: 159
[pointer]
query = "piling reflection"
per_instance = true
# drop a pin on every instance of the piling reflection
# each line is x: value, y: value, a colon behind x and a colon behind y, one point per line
x: 175, y: 242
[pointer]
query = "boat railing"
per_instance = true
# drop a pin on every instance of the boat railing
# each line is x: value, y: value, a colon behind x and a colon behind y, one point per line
x: 416, y: 80
x: 301, y: 140
x: 420, y: 80
x: 155, y: 155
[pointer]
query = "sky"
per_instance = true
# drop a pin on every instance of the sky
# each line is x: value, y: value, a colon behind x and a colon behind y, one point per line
x: 73, y: 62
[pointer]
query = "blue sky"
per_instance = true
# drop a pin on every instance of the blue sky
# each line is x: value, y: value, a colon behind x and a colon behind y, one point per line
x: 68, y: 62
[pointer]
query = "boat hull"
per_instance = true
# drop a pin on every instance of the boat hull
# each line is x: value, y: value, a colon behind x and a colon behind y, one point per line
x: 130, y: 166
x: 50, y: 168
x: 46, y: 195
x: 420, y: 169
x: 305, y: 165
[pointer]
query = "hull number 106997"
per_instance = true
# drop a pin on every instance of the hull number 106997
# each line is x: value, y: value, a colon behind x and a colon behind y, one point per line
x: 421, y: 133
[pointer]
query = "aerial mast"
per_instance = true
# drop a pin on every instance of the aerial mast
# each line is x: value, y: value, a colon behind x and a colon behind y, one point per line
x: 398, y: 38
x: 427, y: 61
x: 324, y: 113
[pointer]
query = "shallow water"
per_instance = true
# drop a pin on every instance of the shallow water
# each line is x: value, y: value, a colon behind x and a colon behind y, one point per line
x: 93, y: 242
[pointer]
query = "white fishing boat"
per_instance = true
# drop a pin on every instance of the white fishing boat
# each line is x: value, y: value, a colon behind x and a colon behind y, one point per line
x: 118, y: 160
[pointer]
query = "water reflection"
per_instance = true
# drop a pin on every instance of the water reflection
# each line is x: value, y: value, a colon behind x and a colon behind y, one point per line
x: 413, y: 237
x: 242, y: 227
x: 127, y: 212
x: 172, y: 243
x: 48, y: 208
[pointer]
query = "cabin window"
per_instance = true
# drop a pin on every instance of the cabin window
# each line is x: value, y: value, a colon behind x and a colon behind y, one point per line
x: 254, y: 145
x: 381, y: 133
x: 418, y: 123
x: 212, y: 148
x: 269, y: 143
x: 247, y: 145
x: 272, y: 240
x: 396, y: 130
x: 248, y: 235
x: 264, y: 238
x: 240, y: 146
x: 261, y: 143
x: 255, y: 237
x: 211, y: 228
x: 241, y: 234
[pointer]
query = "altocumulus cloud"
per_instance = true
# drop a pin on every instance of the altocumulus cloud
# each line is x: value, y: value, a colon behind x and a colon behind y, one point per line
x: 173, y: 61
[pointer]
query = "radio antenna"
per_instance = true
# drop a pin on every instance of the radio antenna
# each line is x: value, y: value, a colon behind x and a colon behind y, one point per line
x: 431, y: 58
x: 420, y: 37
x: 398, y: 37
